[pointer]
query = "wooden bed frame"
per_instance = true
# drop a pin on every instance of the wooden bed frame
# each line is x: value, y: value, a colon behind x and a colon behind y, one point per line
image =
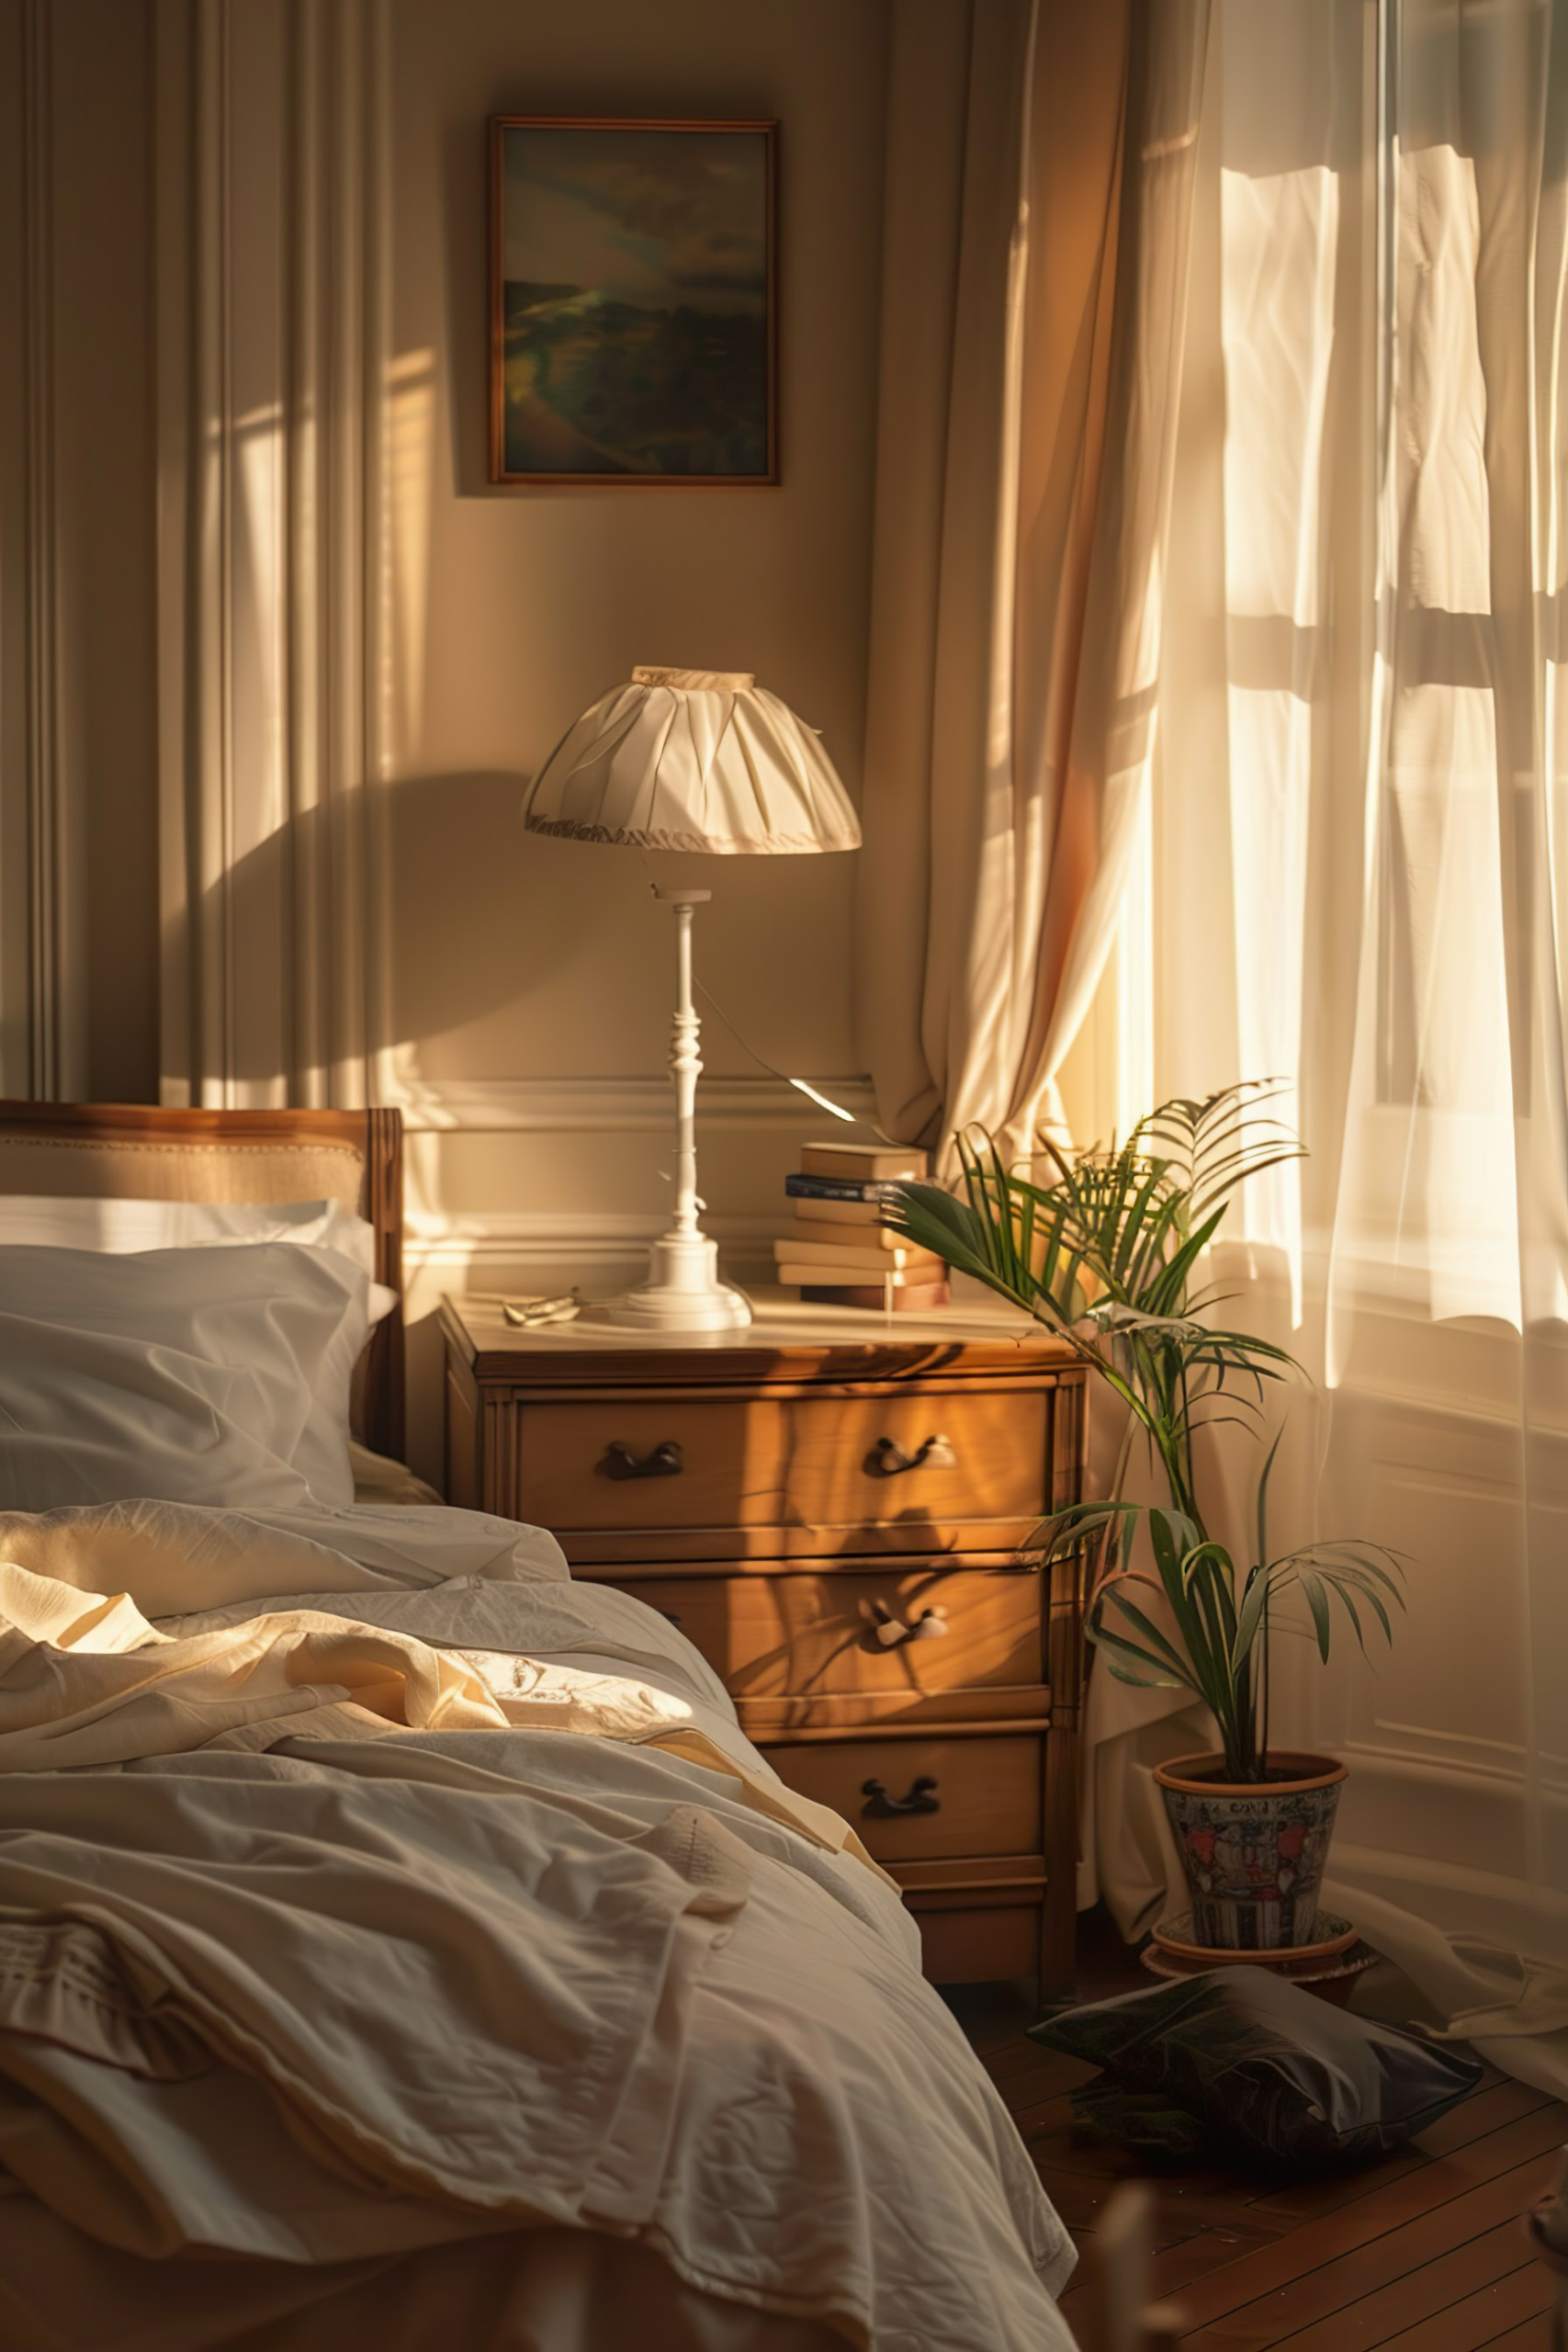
x: 127, y: 1135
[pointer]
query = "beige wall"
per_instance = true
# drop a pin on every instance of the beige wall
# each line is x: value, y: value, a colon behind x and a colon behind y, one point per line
x: 519, y: 962
x: 512, y: 994
x: 523, y: 958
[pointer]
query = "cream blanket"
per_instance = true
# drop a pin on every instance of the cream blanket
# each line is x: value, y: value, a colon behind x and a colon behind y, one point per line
x: 414, y: 1904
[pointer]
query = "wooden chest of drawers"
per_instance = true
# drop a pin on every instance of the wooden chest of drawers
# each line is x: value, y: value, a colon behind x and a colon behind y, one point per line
x: 844, y: 1519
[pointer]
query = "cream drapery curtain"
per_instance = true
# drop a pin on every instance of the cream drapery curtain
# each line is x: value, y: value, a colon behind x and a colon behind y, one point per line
x: 1357, y: 872
x: 1039, y: 176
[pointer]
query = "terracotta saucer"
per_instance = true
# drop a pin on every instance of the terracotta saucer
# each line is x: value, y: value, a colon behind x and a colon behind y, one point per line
x: 1332, y: 1979
x: 1174, y: 1936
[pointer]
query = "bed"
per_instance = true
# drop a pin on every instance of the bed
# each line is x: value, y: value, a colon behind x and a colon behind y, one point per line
x: 397, y: 1940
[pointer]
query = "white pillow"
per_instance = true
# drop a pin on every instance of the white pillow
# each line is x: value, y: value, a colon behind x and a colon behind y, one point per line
x: 37, y: 1221
x: 205, y: 1376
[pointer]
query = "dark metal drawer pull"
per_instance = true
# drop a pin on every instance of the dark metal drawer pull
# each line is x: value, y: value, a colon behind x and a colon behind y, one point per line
x: 673, y: 1616
x: 620, y: 1461
x: 880, y: 1806
x: 888, y: 1458
x: 892, y: 1630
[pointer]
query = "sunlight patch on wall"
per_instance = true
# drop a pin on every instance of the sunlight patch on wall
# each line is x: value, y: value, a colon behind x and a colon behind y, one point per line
x: 258, y: 647
x: 408, y: 428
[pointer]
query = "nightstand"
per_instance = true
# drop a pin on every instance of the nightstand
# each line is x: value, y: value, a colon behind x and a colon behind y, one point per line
x: 838, y: 1511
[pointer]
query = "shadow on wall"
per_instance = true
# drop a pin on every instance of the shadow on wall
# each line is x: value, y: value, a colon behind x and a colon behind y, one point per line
x: 509, y: 954
x: 487, y: 935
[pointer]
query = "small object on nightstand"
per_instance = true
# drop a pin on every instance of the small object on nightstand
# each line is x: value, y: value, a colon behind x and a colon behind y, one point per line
x: 530, y: 1314
x: 837, y: 1251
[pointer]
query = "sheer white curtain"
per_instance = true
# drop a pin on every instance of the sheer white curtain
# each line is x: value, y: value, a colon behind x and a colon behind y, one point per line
x: 1355, y: 874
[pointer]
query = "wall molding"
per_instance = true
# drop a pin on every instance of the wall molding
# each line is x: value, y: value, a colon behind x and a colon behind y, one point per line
x: 443, y: 1113
x: 1520, y: 1913
x: 642, y: 1106
x: 590, y: 1241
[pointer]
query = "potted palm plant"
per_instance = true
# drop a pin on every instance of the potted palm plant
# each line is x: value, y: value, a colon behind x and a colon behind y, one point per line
x: 1106, y: 1252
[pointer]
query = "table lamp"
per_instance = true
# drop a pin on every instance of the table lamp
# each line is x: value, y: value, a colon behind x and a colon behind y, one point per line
x: 690, y: 760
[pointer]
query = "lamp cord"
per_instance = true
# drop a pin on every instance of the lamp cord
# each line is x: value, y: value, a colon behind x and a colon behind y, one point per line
x: 851, y: 1118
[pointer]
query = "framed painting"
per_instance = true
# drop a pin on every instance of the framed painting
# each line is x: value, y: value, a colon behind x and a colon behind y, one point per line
x: 633, y: 308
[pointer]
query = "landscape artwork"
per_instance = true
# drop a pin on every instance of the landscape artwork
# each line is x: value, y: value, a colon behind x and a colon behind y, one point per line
x: 632, y: 312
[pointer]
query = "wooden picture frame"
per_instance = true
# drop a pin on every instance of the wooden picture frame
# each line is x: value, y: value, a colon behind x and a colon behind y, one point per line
x: 633, y: 301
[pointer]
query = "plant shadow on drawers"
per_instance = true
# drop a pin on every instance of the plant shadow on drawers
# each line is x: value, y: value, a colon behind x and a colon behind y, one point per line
x: 886, y: 1471
x: 927, y: 1459
x: 869, y: 1643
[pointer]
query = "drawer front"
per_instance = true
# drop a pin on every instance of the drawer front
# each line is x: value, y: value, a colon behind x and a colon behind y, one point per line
x: 703, y: 1461
x: 981, y: 1795
x: 979, y: 1945
x: 872, y: 1634
x: 921, y: 1457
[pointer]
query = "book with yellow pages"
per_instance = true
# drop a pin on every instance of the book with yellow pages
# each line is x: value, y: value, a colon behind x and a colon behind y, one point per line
x: 864, y: 1255
x: 819, y: 1269
x: 865, y: 1163
x: 811, y: 1229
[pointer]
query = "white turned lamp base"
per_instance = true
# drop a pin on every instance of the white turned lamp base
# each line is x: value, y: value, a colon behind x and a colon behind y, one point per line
x: 682, y: 1292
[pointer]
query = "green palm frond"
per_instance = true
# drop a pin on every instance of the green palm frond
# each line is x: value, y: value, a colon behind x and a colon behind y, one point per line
x: 1104, y: 1251
x: 1220, y: 1616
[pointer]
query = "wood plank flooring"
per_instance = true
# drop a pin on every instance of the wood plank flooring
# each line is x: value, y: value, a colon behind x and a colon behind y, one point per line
x: 1422, y: 2252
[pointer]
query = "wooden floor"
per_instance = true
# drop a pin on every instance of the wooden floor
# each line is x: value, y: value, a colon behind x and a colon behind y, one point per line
x: 1422, y: 2252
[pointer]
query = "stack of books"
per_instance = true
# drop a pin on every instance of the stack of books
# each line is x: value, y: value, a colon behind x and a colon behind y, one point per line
x: 837, y: 1251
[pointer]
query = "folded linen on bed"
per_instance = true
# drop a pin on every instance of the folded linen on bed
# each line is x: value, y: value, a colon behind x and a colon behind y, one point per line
x: 802, y: 2128
x: 476, y: 2002
x: 799, y: 2124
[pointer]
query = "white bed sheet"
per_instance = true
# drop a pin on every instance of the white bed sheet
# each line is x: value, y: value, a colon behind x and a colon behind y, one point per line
x: 797, y: 2127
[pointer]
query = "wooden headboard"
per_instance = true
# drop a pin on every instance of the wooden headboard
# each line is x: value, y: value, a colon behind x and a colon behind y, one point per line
x: 132, y: 1150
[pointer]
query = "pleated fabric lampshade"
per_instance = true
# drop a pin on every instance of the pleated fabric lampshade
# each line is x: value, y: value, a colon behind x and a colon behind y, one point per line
x: 693, y: 760
x: 702, y: 760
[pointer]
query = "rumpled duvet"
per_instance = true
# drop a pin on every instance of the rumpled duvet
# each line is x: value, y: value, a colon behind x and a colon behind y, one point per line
x: 367, y: 1887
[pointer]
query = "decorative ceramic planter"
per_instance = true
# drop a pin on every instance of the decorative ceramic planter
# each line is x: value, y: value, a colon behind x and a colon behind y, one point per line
x: 1253, y: 1853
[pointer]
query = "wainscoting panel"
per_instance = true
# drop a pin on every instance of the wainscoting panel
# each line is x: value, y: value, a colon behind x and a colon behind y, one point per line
x: 1450, y: 1790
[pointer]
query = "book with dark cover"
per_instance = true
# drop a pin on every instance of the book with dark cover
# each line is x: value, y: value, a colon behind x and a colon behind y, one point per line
x: 867, y: 1241
x: 840, y: 1187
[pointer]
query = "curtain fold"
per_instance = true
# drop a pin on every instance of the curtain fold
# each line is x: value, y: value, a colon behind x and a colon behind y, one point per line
x: 1360, y: 878
x: 1041, y: 163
